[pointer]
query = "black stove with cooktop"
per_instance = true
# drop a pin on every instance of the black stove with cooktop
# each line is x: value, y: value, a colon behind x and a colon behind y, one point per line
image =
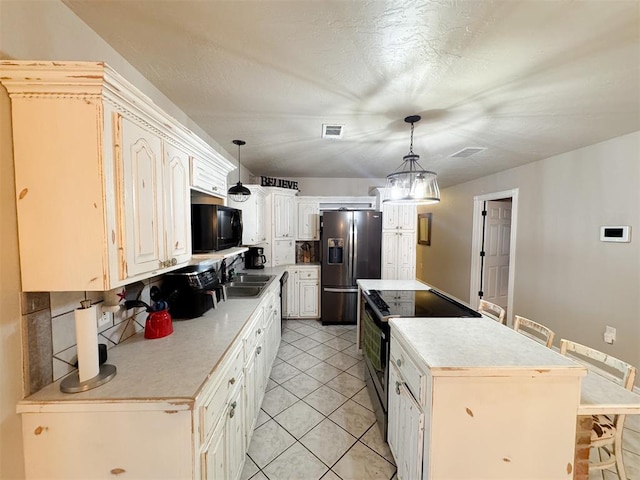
x: 380, y: 305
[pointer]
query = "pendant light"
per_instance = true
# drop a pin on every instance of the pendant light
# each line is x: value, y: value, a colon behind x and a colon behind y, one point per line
x: 239, y: 193
x: 410, y: 183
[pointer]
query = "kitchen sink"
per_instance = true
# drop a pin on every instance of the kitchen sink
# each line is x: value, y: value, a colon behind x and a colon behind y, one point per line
x: 249, y: 278
x: 244, y: 291
x: 235, y: 283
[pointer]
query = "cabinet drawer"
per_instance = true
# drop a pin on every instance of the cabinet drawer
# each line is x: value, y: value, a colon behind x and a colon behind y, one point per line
x: 308, y: 274
x: 254, y: 334
x: 213, y: 406
x: 413, y: 377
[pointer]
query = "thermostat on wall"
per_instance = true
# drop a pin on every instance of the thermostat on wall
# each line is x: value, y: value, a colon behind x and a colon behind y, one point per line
x: 615, y: 233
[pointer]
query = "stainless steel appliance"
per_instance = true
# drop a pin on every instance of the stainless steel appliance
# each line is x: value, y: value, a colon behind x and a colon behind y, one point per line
x: 215, y: 227
x: 254, y: 258
x: 350, y: 250
x: 381, y: 305
x: 192, y: 291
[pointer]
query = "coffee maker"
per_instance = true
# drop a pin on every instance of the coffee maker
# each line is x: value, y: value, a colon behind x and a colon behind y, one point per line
x: 254, y: 258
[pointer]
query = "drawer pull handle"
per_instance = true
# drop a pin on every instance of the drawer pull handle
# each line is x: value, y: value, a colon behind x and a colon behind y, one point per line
x: 233, y: 410
x: 398, y: 388
x: 258, y: 350
x: 399, y: 362
x: 259, y: 331
x: 233, y: 380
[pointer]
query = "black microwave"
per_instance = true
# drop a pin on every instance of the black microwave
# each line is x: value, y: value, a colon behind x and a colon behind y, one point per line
x: 215, y: 227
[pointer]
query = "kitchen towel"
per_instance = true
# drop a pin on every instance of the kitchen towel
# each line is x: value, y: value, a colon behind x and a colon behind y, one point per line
x: 87, y: 342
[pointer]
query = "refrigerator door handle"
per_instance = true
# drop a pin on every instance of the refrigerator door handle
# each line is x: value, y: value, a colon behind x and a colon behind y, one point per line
x: 354, y: 261
x: 341, y: 290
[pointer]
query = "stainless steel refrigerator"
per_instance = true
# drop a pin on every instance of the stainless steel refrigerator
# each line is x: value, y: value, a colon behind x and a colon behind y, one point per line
x: 350, y: 243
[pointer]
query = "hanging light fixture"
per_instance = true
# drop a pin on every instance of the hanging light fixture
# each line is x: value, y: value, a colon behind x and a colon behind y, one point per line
x: 239, y: 193
x: 410, y: 183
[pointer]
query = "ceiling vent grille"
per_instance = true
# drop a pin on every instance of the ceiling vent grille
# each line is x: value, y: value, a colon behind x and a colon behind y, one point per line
x: 467, y: 152
x: 332, y: 130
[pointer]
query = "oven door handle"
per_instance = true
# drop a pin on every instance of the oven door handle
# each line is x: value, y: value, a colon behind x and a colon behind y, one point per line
x: 341, y: 290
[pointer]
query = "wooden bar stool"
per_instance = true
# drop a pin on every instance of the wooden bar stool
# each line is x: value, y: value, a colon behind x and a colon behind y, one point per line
x: 492, y: 311
x: 534, y: 330
x: 606, y: 435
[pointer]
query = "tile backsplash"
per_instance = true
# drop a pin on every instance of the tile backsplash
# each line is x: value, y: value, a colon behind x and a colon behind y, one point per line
x: 49, y: 330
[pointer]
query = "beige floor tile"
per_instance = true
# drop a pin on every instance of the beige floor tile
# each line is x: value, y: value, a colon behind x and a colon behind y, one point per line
x: 322, y: 336
x: 295, y: 464
x: 330, y: 475
x: 364, y: 398
x: 362, y: 463
x: 328, y: 441
x: 373, y: 439
x: 632, y: 422
x: 349, y: 335
x: 304, y: 361
x: 323, y: 372
x: 263, y: 417
x: 249, y: 469
x: 277, y: 400
x: 631, y: 441
x: 325, y: 400
x: 322, y: 351
x: 287, y: 351
x: 259, y: 476
x: 302, y: 385
x: 269, y: 441
x: 306, y: 330
x: 283, y: 372
x: 299, y: 418
x: 346, y: 384
x: 341, y: 361
x: 358, y: 370
x: 271, y: 384
x: 291, y: 336
x: 338, y: 343
x: 354, y: 352
x: 277, y: 361
x: 354, y: 418
x: 305, y: 343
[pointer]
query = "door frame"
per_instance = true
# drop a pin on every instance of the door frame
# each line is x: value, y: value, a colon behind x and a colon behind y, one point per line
x: 476, y: 245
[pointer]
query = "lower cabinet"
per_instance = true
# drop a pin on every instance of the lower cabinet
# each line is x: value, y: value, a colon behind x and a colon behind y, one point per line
x: 303, y: 292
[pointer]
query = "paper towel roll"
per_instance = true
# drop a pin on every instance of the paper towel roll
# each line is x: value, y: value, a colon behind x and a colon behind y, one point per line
x: 87, y: 342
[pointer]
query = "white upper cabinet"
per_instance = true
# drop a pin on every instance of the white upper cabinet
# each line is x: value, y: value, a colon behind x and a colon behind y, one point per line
x: 308, y: 220
x: 253, y: 215
x: 283, y: 215
x: 399, y: 217
x: 399, y: 242
x: 102, y: 177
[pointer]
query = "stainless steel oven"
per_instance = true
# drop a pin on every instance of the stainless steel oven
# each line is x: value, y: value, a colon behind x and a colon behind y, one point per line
x: 379, y: 307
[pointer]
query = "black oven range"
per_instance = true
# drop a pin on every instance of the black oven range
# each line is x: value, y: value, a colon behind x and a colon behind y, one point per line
x: 380, y: 305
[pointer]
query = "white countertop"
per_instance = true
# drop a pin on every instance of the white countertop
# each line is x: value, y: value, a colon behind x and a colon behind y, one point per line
x: 477, y: 346
x: 172, y: 368
x: 369, y: 284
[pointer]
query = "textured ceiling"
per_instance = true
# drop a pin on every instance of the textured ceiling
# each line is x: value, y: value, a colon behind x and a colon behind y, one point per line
x: 524, y: 79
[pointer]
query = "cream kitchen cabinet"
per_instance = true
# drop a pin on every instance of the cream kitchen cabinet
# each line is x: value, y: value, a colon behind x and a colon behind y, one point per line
x: 157, y: 232
x: 283, y: 252
x: 399, y: 242
x: 308, y: 220
x: 303, y: 292
x: 207, y: 177
x: 253, y: 216
x: 462, y: 385
x: 283, y: 214
x: 79, y: 130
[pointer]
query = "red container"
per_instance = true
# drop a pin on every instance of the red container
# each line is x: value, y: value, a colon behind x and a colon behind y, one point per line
x: 158, y: 324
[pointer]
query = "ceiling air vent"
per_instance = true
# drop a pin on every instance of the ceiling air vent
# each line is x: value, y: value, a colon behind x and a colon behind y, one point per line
x: 332, y: 131
x: 467, y: 152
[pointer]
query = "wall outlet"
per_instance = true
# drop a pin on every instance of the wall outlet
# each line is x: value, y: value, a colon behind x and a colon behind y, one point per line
x: 105, y: 319
x: 609, y: 334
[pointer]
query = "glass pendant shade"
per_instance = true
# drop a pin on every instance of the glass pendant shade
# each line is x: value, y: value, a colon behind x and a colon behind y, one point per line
x: 410, y: 183
x: 239, y: 193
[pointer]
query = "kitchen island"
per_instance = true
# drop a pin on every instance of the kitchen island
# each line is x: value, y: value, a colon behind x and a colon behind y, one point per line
x: 182, y: 406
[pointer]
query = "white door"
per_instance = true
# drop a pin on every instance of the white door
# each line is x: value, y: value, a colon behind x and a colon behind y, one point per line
x: 309, y: 292
x: 497, y: 235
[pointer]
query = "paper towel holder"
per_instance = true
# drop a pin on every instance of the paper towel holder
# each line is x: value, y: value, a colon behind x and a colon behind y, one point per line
x: 72, y: 383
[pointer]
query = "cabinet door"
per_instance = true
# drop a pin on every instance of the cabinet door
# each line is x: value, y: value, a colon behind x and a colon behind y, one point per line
x: 214, y: 463
x: 406, y: 256
x: 283, y: 252
x: 141, y: 201
x: 250, y: 396
x: 178, y: 205
x: 309, y: 292
x: 389, y: 255
x: 308, y: 220
x: 389, y: 216
x: 234, y: 431
x: 292, y: 295
x: 407, y: 217
x: 261, y: 204
x: 280, y: 219
x: 406, y: 428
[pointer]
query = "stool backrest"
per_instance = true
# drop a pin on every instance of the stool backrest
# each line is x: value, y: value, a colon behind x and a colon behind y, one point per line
x: 493, y: 311
x: 533, y: 330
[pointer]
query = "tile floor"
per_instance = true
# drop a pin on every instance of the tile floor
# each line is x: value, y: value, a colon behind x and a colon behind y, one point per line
x: 317, y: 420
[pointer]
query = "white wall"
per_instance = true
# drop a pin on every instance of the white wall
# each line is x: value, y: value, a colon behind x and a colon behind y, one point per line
x: 347, y: 187
x: 564, y: 276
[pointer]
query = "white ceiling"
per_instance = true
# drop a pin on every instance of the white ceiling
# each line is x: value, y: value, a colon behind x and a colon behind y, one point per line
x: 524, y: 79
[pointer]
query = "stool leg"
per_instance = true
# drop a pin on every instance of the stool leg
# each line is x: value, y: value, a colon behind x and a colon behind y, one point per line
x: 617, y: 448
